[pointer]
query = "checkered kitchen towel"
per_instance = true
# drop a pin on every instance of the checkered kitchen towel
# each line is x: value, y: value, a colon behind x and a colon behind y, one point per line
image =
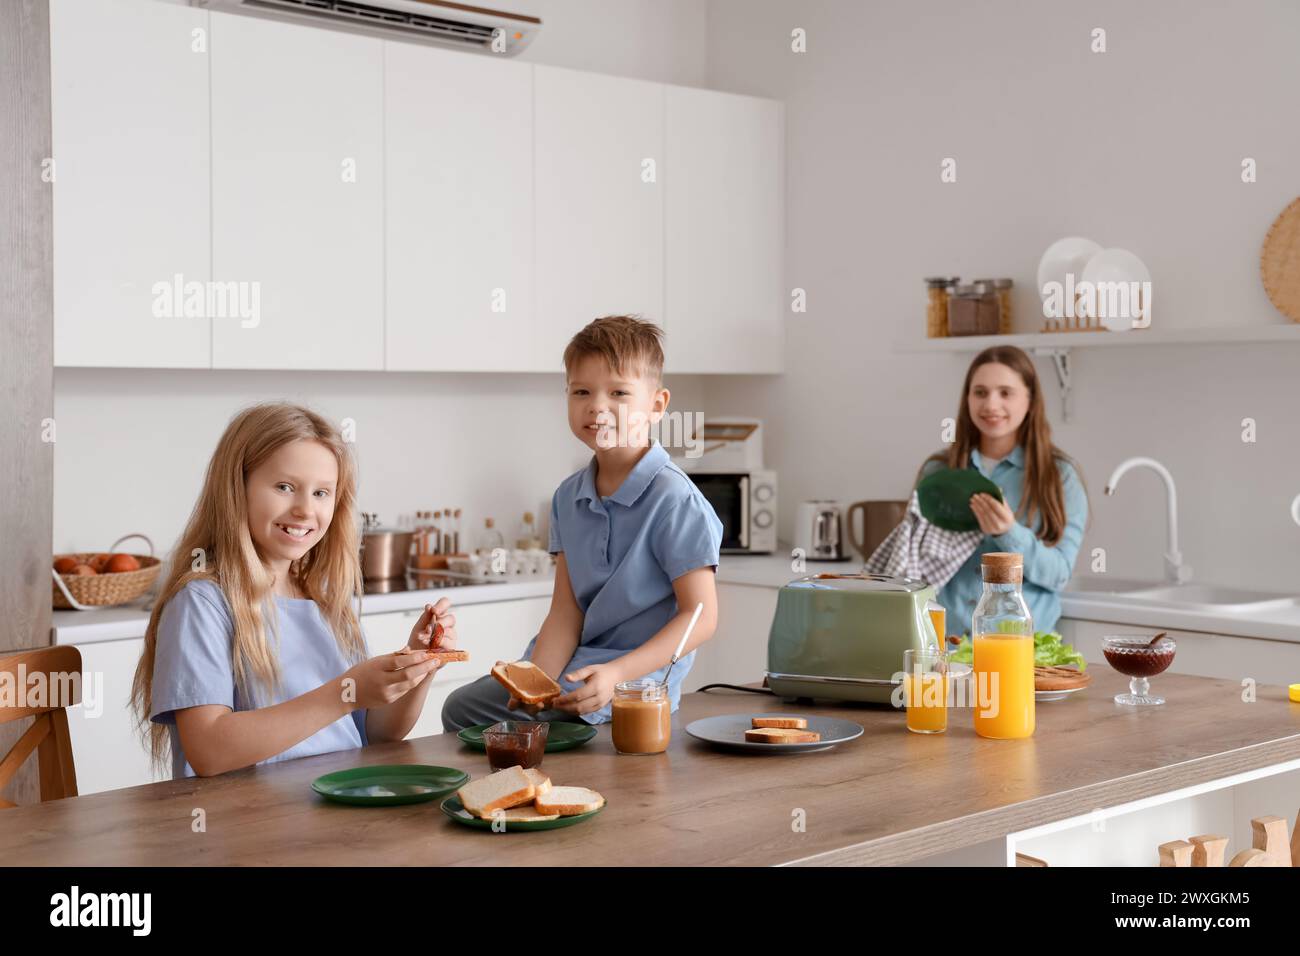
x: 922, y: 551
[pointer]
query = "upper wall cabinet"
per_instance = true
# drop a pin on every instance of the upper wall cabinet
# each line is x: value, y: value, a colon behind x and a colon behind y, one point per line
x: 724, y: 187
x: 600, y: 213
x: 129, y: 98
x: 459, y: 168
x: 297, y: 196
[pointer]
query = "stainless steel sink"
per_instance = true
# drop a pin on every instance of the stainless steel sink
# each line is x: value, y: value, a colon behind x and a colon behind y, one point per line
x: 1211, y: 596
x: 1105, y: 585
x: 1194, y: 597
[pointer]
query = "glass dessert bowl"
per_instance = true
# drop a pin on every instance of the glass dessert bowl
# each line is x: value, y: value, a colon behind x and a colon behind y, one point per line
x: 1138, y: 657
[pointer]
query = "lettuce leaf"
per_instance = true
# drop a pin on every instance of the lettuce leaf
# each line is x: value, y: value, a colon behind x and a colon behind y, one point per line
x: 1049, y: 651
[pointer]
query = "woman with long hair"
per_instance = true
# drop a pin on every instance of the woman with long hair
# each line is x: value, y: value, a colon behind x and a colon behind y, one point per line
x: 1002, y: 430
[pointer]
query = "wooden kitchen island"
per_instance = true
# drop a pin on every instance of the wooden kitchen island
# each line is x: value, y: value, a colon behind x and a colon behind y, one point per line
x: 888, y: 797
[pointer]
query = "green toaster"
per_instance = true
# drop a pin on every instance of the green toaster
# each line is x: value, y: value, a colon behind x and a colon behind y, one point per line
x: 842, y: 636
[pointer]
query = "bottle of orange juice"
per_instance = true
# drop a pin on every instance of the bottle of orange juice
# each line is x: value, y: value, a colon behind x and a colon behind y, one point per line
x: 1003, y: 637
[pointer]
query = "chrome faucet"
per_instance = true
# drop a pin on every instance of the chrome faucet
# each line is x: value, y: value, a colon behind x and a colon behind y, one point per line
x: 1175, y: 570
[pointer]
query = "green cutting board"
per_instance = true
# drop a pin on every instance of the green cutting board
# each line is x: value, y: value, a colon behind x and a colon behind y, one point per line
x: 944, y: 497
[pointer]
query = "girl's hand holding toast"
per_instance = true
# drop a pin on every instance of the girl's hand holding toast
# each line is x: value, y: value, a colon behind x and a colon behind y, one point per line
x: 435, y: 630
x: 388, y: 677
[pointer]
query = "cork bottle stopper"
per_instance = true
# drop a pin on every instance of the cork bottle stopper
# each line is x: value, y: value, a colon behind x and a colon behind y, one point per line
x: 1002, y: 567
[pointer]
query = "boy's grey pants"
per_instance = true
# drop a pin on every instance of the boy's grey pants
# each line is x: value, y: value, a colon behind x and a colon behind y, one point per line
x: 484, y: 702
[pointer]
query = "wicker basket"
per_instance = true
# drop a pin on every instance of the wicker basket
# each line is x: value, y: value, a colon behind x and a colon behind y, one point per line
x: 105, y: 590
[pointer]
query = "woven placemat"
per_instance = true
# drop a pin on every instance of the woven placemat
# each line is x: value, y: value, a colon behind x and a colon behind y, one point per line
x: 1279, y: 262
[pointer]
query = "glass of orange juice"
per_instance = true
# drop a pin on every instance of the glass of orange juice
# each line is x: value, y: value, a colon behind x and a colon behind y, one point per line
x: 925, y: 690
x: 938, y: 617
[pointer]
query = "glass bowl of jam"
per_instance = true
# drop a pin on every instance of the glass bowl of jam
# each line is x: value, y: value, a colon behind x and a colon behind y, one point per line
x: 1136, y: 657
x: 515, y: 743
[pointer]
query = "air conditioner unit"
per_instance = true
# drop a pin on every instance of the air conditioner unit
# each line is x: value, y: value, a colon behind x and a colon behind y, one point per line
x: 441, y: 22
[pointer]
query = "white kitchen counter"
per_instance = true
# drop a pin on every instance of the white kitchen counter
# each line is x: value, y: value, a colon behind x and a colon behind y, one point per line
x: 753, y: 570
x: 130, y: 621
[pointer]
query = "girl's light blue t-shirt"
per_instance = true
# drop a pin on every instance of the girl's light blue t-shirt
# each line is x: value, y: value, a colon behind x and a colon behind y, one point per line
x: 194, y: 666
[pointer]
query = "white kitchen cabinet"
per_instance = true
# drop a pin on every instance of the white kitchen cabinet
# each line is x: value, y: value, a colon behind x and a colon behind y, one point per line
x: 724, y: 189
x: 298, y: 194
x: 106, y: 750
x: 129, y: 100
x: 459, y: 222
x: 599, y: 207
x: 737, y: 652
x: 1200, y: 654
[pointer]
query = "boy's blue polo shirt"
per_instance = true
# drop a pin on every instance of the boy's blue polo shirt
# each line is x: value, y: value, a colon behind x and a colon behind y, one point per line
x: 624, y: 552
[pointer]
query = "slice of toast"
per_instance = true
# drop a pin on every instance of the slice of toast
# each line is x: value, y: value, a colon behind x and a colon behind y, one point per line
x: 449, y: 655
x: 526, y: 682
x: 781, y: 735
x: 497, y: 791
x: 540, y: 781
x: 1060, y: 678
x: 569, y: 801
x: 528, y: 813
x: 788, y: 723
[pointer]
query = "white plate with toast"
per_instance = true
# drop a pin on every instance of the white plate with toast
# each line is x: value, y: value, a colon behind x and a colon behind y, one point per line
x: 774, y: 733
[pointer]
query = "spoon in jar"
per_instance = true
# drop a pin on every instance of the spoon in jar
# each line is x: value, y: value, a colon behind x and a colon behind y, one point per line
x: 699, y: 609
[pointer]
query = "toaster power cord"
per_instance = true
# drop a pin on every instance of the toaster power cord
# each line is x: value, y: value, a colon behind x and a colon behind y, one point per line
x: 747, y: 690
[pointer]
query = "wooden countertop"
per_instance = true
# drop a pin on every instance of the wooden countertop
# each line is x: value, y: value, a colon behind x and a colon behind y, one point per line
x: 887, y: 797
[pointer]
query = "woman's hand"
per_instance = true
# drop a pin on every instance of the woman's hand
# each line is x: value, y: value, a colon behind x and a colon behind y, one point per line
x: 993, y: 515
x: 388, y: 677
x: 595, y: 693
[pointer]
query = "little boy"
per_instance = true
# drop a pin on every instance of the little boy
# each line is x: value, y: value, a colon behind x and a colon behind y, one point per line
x: 635, y: 543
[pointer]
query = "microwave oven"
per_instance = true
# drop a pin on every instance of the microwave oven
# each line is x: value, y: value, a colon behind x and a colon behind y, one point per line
x: 746, y: 505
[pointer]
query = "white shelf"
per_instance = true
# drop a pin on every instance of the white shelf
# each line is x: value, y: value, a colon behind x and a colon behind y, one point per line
x: 1220, y: 335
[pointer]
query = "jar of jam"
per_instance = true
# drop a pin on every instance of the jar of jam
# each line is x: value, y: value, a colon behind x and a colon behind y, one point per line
x: 516, y: 743
x: 1138, y: 658
x: 642, y: 715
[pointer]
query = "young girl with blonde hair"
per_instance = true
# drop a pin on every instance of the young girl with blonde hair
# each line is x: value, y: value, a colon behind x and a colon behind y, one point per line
x: 253, y: 652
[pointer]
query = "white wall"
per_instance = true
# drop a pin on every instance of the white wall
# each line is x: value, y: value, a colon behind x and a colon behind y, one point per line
x: 1139, y: 147
x: 132, y: 445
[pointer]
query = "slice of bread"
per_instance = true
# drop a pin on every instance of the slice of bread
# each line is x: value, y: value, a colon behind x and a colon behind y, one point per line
x: 498, y: 791
x: 781, y: 735
x: 569, y: 801
x: 526, y: 682
x: 789, y: 723
x: 541, y: 782
x: 448, y: 656
x: 529, y: 812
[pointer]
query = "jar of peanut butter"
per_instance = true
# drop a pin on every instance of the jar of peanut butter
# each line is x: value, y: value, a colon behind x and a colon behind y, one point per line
x: 642, y: 717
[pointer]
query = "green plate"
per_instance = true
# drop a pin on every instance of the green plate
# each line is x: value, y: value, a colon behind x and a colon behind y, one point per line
x: 944, y: 497
x: 456, y: 810
x: 389, y: 786
x: 563, y: 735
